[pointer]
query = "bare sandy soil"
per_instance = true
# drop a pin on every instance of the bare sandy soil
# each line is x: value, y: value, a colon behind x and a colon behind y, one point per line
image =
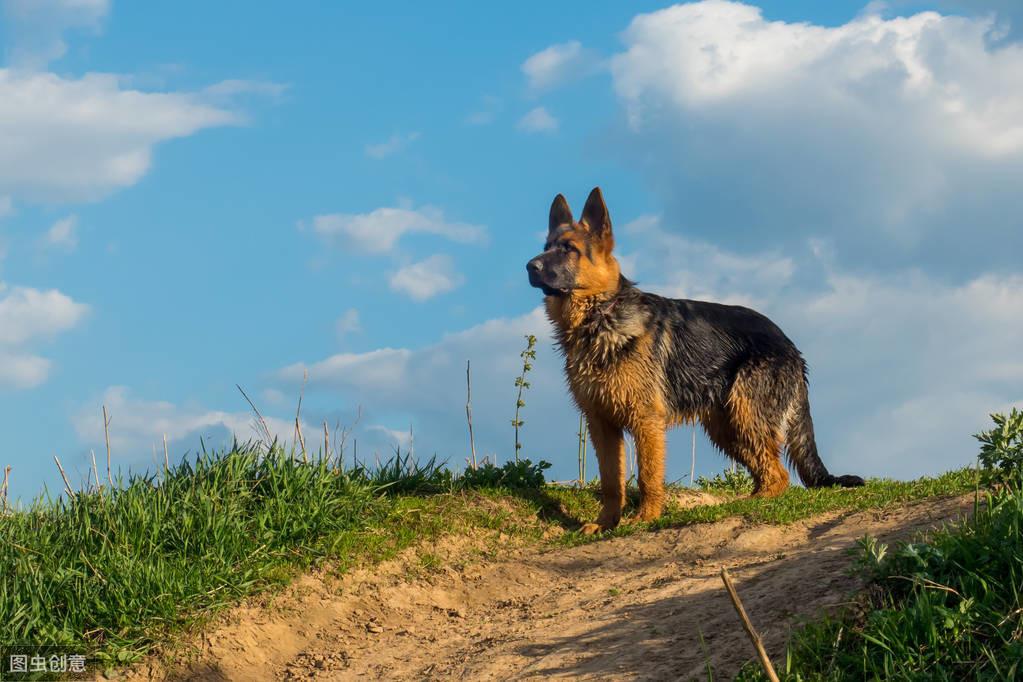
x: 626, y: 608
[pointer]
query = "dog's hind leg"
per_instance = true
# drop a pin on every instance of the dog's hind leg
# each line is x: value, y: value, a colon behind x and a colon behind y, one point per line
x: 609, y: 443
x: 755, y: 416
x: 769, y: 476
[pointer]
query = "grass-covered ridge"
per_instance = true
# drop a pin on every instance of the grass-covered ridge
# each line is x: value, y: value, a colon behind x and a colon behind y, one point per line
x: 945, y: 607
x: 118, y: 570
x: 115, y: 570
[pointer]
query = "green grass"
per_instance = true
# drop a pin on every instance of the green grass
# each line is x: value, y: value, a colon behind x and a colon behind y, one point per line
x: 115, y: 572
x: 794, y: 505
x: 948, y: 608
x: 118, y: 572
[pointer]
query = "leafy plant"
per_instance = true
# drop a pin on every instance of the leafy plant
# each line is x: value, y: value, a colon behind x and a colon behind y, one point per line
x: 731, y: 481
x: 528, y: 356
x: 871, y: 557
x: 519, y: 474
x: 1001, y: 449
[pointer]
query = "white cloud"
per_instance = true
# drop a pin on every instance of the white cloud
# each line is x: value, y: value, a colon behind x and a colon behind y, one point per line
x: 488, y: 111
x: 394, y: 144
x: 37, y: 27
x: 427, y: 278
x: 382, y: 368
x: 689, y: 268
x: 63, y: 233
x: 29, y: 315
x: 403, y: 439
x: 379, y: 231
x: 136, y: 424
x: 21, y: 370
x: 538, y: 120
x: 273, y: 396
x: 79, y: 139
x: 559, y: 64
x: 896, y: 131
x: 231, y: 88
x: 348, y: 323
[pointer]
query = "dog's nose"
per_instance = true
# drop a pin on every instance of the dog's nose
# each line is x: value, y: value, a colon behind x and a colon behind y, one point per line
x: 534, y: 266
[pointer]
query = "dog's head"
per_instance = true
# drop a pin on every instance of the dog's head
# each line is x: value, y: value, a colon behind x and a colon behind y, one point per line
x: 576, y: 259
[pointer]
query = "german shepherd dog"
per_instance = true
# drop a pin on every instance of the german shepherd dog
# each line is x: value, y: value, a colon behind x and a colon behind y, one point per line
x: 642, y: 363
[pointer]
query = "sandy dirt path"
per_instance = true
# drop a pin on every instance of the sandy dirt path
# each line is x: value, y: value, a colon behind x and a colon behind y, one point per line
x: 626, y: 608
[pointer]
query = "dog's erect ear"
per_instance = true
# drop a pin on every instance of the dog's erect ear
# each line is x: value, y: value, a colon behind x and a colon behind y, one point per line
x: 560, y: 213
x: 595, y: 215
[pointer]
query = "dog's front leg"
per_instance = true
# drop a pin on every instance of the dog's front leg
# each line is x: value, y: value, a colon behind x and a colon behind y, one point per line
x: 610, y: 446
x: 649, y: 437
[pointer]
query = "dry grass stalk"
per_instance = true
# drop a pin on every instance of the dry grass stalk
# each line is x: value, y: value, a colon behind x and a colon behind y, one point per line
x: 582, y: 450
x: 326, y: 441
x: 298, y: 417
x: 166, y: 454
x: 106, y: 437
x: 301, y: 440
x: 67, y: 484
x: 95, y: 469
x: 344, y: 433
x: 468, y: 412
x: 3, y: 488
x: 692, y: 464
x: 267, y: 436
x: 758, y: 643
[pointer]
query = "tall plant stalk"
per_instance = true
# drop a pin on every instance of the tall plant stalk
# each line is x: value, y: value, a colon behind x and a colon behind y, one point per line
x: 528, y: 356
x: 582, y: 450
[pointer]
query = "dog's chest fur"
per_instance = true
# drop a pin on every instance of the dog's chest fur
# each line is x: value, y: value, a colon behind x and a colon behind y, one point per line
x: 608, y: 359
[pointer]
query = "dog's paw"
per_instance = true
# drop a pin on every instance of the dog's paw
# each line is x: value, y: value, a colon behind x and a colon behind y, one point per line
x: 591, y: 529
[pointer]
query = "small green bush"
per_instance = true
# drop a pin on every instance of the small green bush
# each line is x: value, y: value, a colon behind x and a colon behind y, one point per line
x: 520, y: 474
x: 737, y: 482
x: 1001, y: 449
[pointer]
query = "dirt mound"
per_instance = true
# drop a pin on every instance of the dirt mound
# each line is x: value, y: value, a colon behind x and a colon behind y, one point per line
x: 650, y: 606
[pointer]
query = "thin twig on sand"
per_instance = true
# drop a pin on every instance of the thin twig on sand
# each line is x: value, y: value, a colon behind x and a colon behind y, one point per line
x: 758, y: 643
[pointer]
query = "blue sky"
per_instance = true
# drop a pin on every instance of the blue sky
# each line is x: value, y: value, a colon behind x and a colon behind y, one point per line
x: 197, y: 195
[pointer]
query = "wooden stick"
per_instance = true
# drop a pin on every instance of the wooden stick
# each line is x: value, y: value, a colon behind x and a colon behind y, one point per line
x: 468, y: 412
x: 106, y: 437
x: 3, y: 488
x: 758, y: 643
x: 67, y: 484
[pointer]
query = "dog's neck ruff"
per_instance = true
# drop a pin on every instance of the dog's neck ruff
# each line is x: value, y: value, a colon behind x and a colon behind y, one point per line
x: 597, y: 329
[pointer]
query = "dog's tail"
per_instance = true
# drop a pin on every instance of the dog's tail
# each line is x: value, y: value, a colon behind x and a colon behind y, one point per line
x: 802, y: 449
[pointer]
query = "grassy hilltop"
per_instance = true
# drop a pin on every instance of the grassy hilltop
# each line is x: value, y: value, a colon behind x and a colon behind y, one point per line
x: 117, y: 571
